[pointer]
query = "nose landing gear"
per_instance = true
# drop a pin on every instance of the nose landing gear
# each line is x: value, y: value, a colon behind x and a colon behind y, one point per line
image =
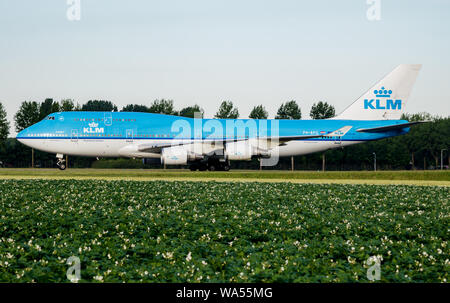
x: 61, y: 162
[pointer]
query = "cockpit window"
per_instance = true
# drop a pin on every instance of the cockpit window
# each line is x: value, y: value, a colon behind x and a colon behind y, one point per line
x: 50, y: 118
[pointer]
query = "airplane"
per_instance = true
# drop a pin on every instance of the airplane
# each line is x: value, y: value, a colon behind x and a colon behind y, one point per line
x: 210, y: 144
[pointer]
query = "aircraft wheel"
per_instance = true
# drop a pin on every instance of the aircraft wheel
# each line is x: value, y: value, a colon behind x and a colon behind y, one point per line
x: 61, y: 163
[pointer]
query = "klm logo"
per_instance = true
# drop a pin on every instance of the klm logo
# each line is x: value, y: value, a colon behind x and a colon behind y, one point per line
x: 93, y: 129
x: 387, y: 103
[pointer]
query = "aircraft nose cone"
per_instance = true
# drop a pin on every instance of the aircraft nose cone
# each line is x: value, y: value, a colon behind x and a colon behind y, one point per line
x: 21, y: 136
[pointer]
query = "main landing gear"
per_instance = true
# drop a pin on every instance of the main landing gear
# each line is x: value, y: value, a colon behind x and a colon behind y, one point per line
x: 211, y: 165
x: 61, y: 162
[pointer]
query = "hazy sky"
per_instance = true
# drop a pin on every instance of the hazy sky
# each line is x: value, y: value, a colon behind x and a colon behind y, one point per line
x: 251, y: 52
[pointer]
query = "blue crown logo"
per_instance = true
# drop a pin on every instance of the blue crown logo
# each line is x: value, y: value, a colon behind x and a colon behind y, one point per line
x: 383, y: 93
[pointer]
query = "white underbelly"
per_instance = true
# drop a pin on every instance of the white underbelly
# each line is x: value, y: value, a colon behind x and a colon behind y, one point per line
x: 80, y: 147
x: 112, y: 147
x: 297, y: 148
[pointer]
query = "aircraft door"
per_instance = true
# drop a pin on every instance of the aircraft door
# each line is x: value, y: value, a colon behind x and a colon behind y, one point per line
x: 129, y: 135
x: 74, y: 135
x: 337, y: 140
x: 108, y: 119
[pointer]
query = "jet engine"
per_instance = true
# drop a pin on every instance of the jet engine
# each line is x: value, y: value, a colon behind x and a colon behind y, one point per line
x: 241, y: 150
x: 175, y: 155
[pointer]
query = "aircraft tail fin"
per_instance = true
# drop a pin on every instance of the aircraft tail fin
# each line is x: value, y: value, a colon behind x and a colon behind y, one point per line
x: 386, y: 100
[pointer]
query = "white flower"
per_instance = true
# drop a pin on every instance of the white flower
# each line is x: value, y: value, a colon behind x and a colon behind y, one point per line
x: 168, y: 255
x: 188, y: 257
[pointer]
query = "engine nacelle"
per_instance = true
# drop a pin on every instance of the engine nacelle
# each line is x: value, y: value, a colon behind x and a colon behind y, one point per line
x: 175, y: 155
x: 241, y: 150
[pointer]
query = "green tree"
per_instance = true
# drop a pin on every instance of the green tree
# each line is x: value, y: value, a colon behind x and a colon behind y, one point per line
x: 162, y: 106
x: 414, y: 141
x: 55, y: 107
x: 135, y: 108
x: 4, y: 124
x: 289, y: 110
x: 322, y: 110
x: 423, y: 116
x: 99, y: 106
x: 47, y: 107
x: 227, y: 111
x: 436, y: 137
x: 427, y: 139
x: 258, y: 112
x: 27, y: 115
x: 68, y: 105
x: 191, y: 110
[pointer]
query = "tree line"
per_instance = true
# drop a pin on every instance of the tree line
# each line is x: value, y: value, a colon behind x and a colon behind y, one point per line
x: 420, y: 149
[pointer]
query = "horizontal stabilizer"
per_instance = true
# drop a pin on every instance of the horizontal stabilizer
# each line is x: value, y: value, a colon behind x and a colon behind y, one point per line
x: 388, y: 127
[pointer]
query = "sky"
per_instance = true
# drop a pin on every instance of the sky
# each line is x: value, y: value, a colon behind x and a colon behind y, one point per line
x: 205, y: 51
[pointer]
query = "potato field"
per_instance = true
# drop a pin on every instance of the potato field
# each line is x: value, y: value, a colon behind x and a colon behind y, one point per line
x: 182, y: 231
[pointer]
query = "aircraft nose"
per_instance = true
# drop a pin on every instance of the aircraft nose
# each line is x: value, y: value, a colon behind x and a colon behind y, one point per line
x: 21, y: 135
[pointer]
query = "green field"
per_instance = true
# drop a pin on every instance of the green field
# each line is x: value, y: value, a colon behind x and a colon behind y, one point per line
x: 436, y: 177
x: 159, y: 231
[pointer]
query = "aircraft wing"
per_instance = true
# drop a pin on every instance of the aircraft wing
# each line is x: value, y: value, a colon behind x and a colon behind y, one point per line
x: 156, y: 148
x: 337, y: 133
x: 388, y: 127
